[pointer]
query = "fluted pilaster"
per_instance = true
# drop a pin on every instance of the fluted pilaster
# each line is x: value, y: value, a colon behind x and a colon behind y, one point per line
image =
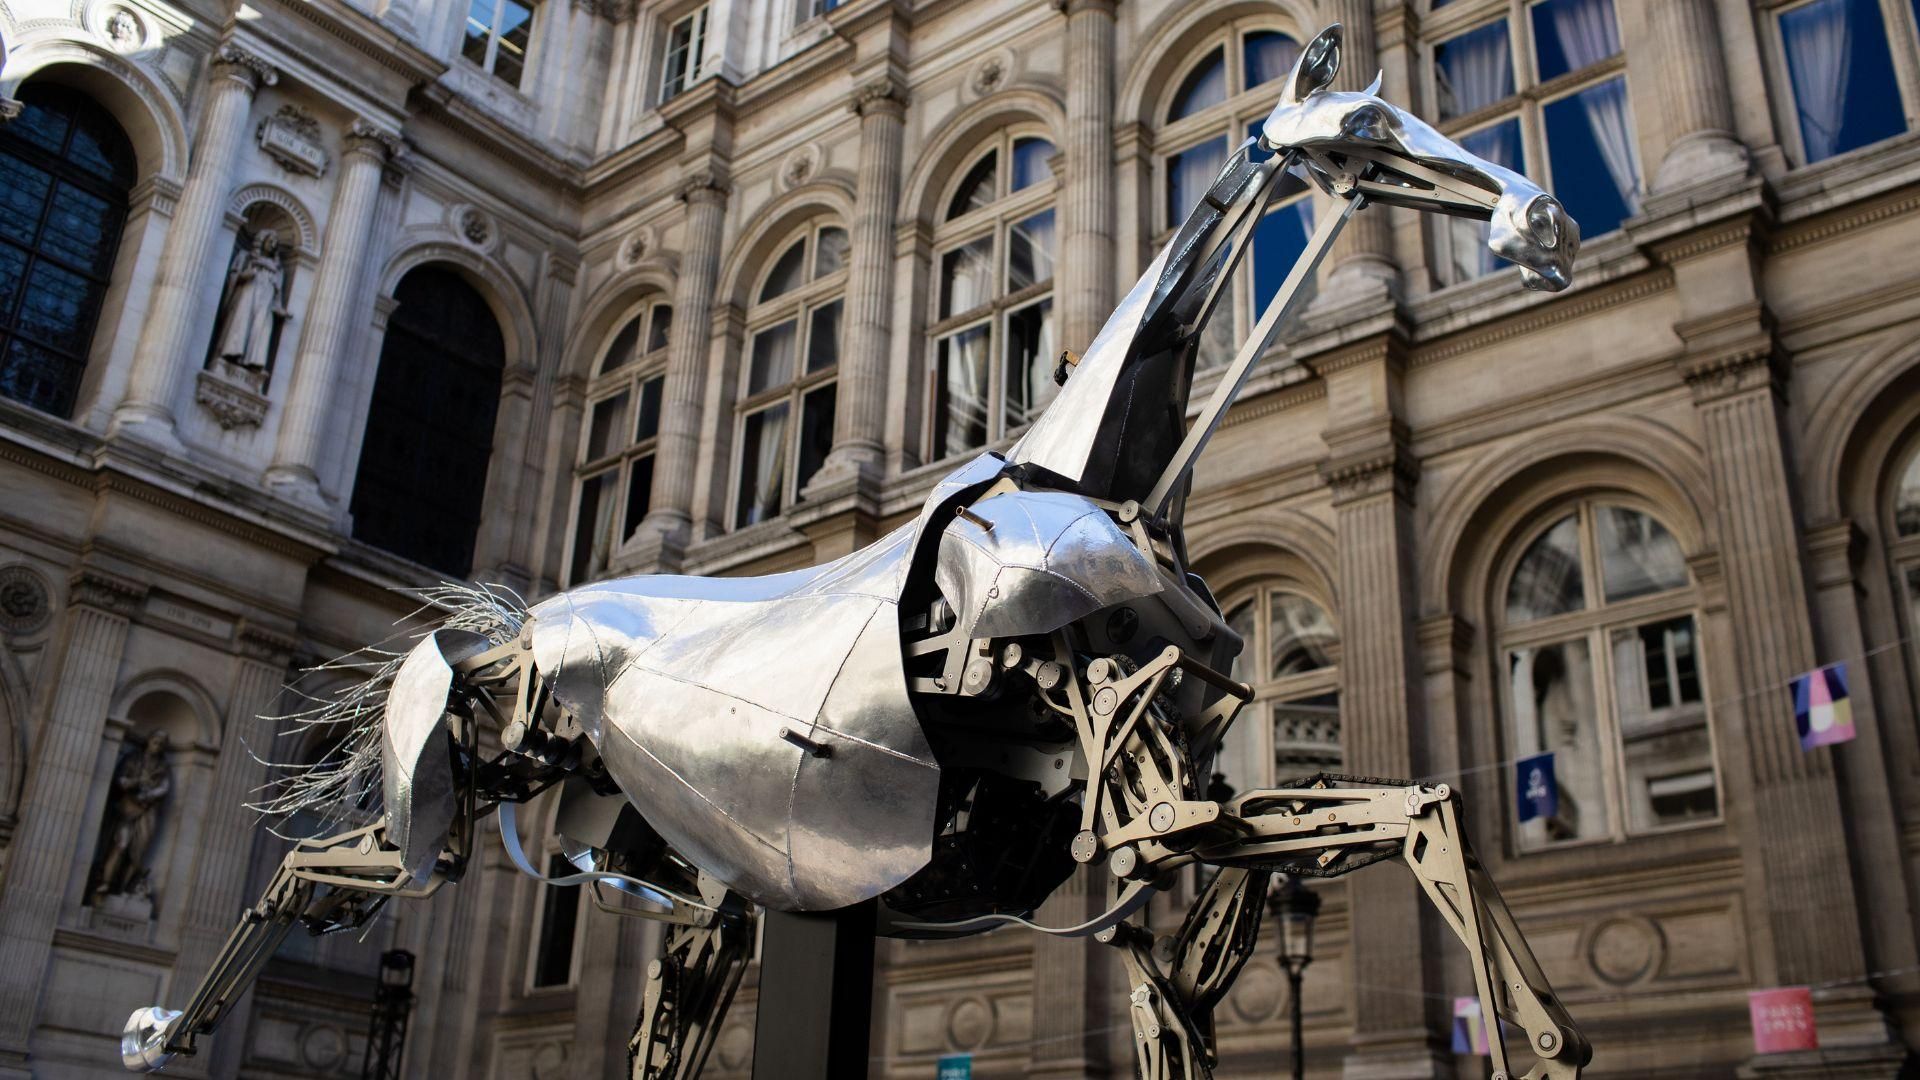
x: 1694, y: 97
x: 861, y: 405
x: 1361, y: 261
x: 670, y: 518
x: 163, y: 359
x: 59, y: 787
x: 330, y: 315
x: 1085, y: 290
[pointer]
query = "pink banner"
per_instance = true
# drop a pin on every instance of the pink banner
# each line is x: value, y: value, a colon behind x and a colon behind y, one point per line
x: 1782, y: 1020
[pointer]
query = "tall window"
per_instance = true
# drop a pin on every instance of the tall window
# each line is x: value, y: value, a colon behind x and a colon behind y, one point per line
x: 784, y: 426
x: 1216, y: 105
x: 1292, y: 728
x: 65, y: 168
x: 1602, y: 664
x: 686, y: 44
x: 558, y: 942
x: 1903, y: 553
x: 1541, y: 89
x: 813, y: 9
x: 992, y: 344
x: 1840, y: 75
x: 617, y: 449
x: 497, y: 35
x: 423, y: 463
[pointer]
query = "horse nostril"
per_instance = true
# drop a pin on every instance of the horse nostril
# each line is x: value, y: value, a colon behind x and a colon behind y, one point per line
x: 1543, y: 221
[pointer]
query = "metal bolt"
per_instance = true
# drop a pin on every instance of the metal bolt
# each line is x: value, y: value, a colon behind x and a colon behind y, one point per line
x: 1547, y: 1041
x: 1123, y: 862
x: 1012, y: 655
x: 1106, y: 700
x: 1161, y: 817
x: 1085, y: 846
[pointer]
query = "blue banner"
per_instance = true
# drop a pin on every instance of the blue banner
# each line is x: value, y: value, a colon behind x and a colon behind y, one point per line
x: 1539, y: 792
x: 955, y: 1067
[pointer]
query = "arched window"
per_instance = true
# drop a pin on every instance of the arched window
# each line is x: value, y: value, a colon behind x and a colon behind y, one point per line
x: 423, y: 463
x: 1292, y: 728
x: 65, y: 168
x: 616, y: 447
x: 991, y: 343
x: 1218, y: 103
x: 1542, y: 90
x: 559, y: 928
x: 1903, y: 527
x: 793, y: 353
x: 1602, y: 666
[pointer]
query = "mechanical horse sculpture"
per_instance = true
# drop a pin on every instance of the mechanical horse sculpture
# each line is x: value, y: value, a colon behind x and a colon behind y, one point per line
x: 1023, y: 683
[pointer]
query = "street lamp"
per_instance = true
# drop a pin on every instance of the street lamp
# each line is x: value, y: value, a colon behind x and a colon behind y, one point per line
x: 1296, y: 906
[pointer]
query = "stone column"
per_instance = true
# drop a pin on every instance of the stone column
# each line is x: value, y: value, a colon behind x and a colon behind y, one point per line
x: 1800, y: 855
x: 331, y: 316
x: 1361, y: 262
x: 670, y: 520
x: 1075, y: 982
x: 164, y: 358
x: 1085, y: 291
x: 860, y: 416
x: 58, y: 790
x: 220, y: 873
x: 1694, y: 100
x: 1371, y: 474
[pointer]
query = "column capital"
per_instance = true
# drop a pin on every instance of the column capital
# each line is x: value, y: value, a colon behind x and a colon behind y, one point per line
x: 250, y: 69
x: 1367, y: 459
x: 256, y: 642
x: 1074, y: 7
x: 704, y: 186
x: 884, y: 95
x: 366, y: 137
x: 9, y: 109
x: 106, y: 592
x: 1731, y: 352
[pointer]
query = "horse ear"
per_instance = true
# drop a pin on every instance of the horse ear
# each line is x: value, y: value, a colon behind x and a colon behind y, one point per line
x: 1373, y: 88
x: 1317, y: 65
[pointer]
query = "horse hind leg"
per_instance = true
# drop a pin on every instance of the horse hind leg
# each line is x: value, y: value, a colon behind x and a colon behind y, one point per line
x: 689, y: 988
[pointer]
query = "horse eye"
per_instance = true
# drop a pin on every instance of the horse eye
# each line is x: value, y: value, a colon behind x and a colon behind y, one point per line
x: 1367, y: 122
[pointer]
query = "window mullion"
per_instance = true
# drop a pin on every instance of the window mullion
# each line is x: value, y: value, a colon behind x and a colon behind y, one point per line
x: 1607, y: 718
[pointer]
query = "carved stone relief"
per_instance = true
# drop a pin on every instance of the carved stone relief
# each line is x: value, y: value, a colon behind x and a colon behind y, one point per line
x: 25, y: 600
x: 291, y: 137
x: 142, y: 782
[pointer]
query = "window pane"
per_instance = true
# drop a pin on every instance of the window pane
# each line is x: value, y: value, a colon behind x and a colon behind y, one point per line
x: 479, y: 22
x: 13, y: 273
x: 1278, y: 242
x: 1596, y: 166
x: 1664, y: 743
x: 1906, y: 500
x: 1473, y: 70
x: 829, y: 252
x: 639, y: 493
x: 1299, y: 635
x: 608, y: 424
x: 593, y: 529
x: 1030, y: 359
x: 788, y: 274
x: 516, y: 27
x: 82, y: 230
x: 823, y: 337
x: 979, y: 188
x: 1306, y: 737
x: 23, y: 194
x: 621, y: 352
x: 1269, y: 56
x: 1204, y: 87
x: 559, y: 915
x: 39, y: 377
x: 1548, y: 580
x: 1467, y: 239
x: 58, y: 308
x: 1571, y: 34
x: 772, y: 363
x: 1030, y: 166
x: 1030, y: 251
x: 966, y: 277
x: 1637, y: 554
x: 1189, y: 173
x: 648, y: 422
x: 1550, y: 692
x: 763, y: 466
x: 1843, y: 83
x: 816, y: 433
x: 960, y: 392
x: 661, y: 328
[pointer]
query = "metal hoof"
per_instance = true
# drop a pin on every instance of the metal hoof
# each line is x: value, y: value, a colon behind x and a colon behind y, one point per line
x: 143, y: 1044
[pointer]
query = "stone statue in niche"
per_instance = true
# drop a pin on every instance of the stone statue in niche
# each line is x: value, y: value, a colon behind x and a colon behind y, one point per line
x: 255, y: 305
x: 141, y: 784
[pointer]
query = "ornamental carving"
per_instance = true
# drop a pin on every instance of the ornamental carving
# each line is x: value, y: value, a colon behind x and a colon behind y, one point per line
x: 26, y: 601
x: 249, y: 66
x: 991, y: 73
x: 291, y: 137
x: 800, y: 166
x: 366, y: 137
x: 475, y: 227
x: 635, y: 248
x: 124, y: 31
x: 231, y: 405
x: 883, y: 94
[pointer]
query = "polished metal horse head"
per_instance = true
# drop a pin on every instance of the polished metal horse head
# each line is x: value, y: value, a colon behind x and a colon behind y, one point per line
x: 1119, y: 429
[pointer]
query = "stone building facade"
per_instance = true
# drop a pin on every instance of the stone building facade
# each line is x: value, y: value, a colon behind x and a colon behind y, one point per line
x: 305, y: 303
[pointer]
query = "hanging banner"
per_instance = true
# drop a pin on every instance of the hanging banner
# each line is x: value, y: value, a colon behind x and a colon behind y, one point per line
x: 1822, y: 709
x: 955, y: 1067
x: 1469, y: 1031
x: 1539, y: 792
x: 1782, y: 1020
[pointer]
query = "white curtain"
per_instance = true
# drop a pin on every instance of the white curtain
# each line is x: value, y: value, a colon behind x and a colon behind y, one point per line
x: 1467, y: 238
x: 1189, y: 172
x: 1476, y: 69
x: 1606, y: 109
x: 769, y: 463
x: 773, y: 350
x: 1586, y: 30
x: 1819, y: 41
x: 963, y: 376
